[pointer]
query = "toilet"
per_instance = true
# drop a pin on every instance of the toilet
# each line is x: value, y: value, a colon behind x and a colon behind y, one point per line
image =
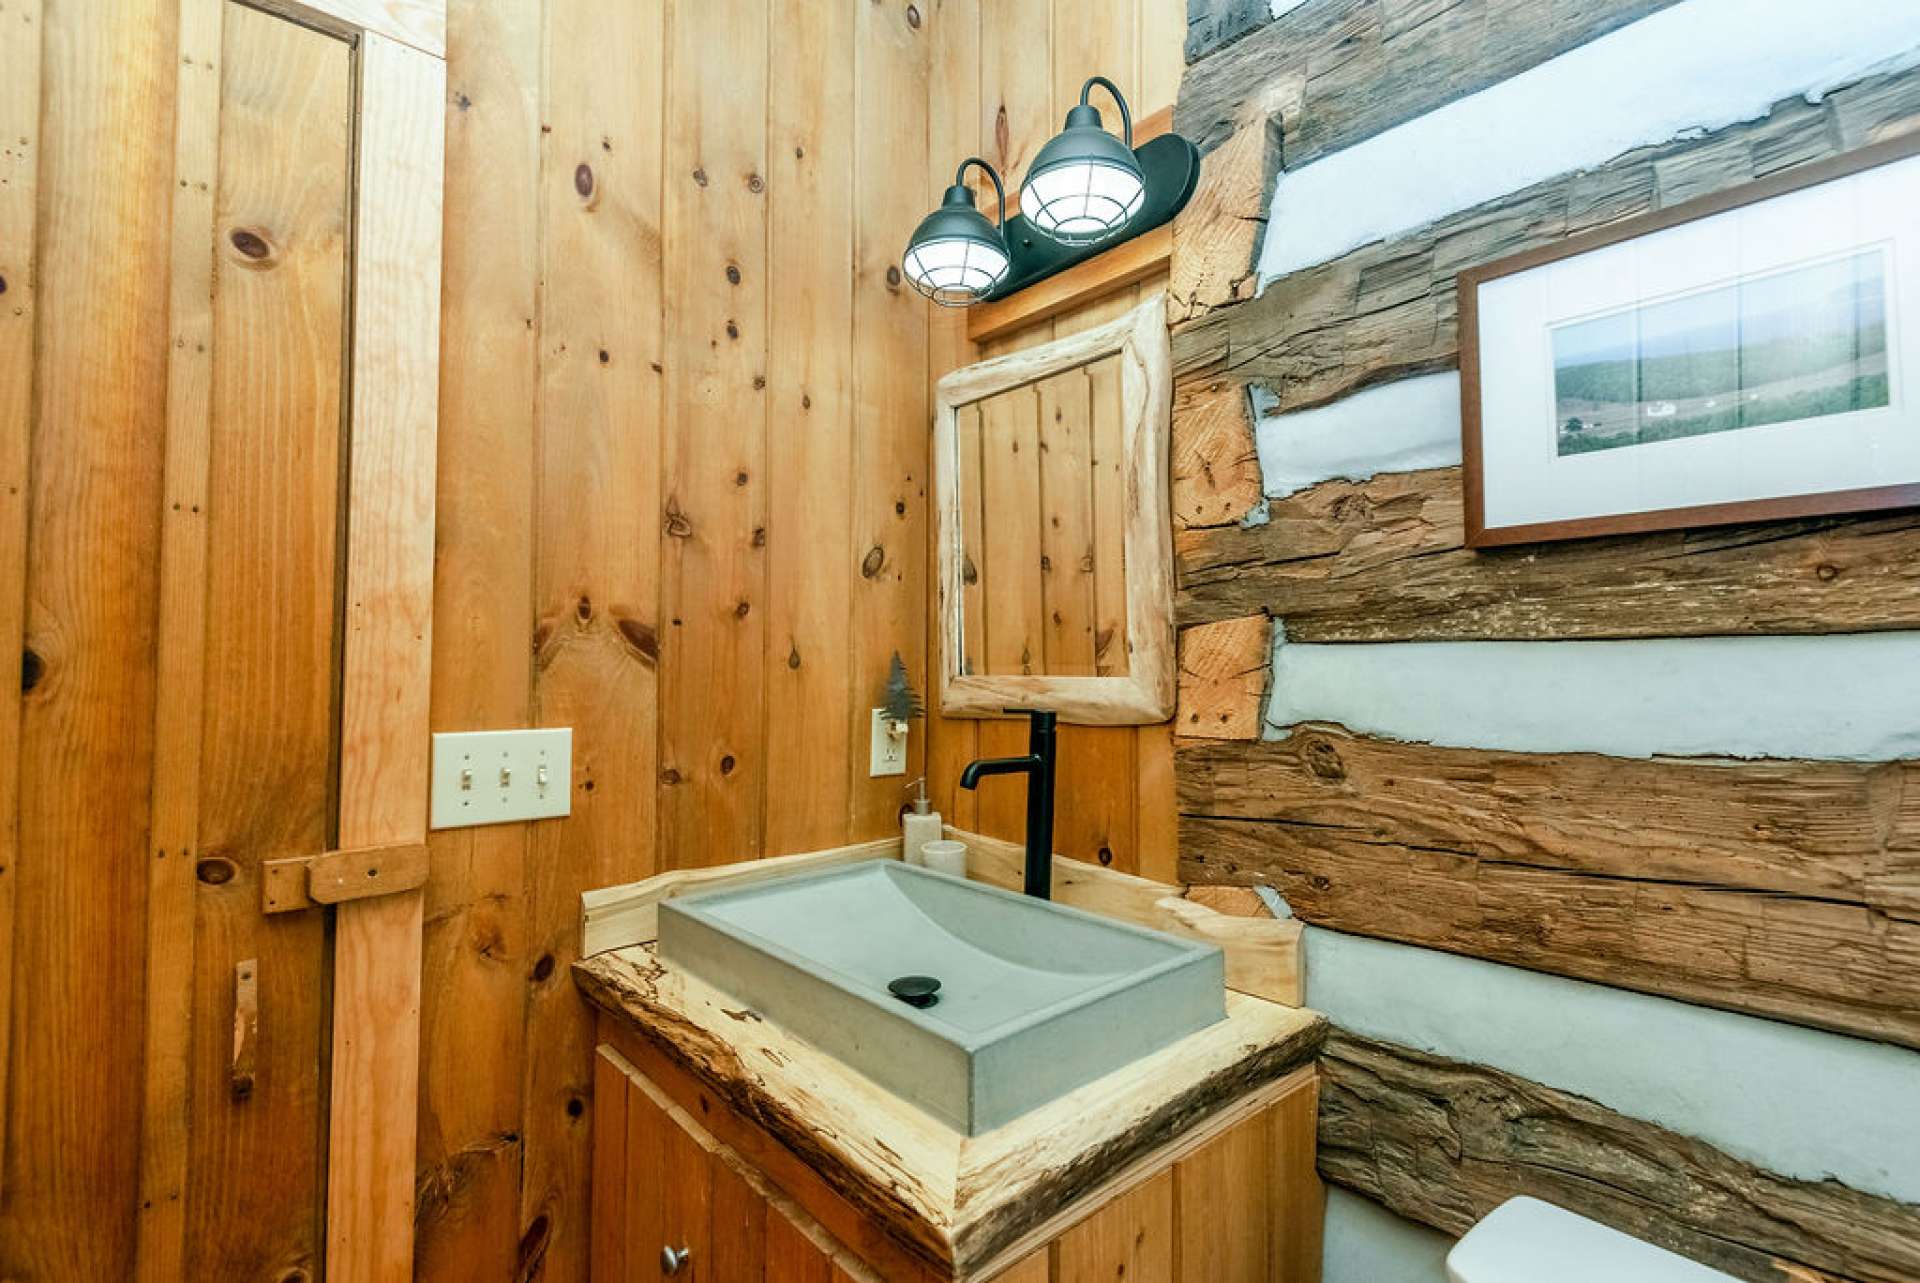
x: 1527, y: 1241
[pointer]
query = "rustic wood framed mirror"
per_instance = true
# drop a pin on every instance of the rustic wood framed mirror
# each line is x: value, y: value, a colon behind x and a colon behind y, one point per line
x: 1053, y: 528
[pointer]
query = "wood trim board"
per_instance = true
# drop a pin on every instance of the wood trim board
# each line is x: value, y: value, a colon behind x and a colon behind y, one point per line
x: 384, y: 741
x: 19, y: 196
x: 1479, y: 535
x: 1146, y: 693
x: 419, y: 23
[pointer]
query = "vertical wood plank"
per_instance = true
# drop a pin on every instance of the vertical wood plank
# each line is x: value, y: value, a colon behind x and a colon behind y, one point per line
x: 1037, y: 1268
x: 1094, y: 38
x: 1097, y: 763
x: 738, y: 1229
x: 890, y: 367
x: 19, y: 190
x: 1067, y: 534
x: 1299, y: 1212
x: 255, y: 629
x: 1013, y: 634
x: 1160, y: 59
x: 1130, y: 1238
x: 97, y: 285
x: 611, y: 1162
x: 476, y: 966
x: 1223, y: 1194
x: 792, y: 1257
x: 385, y: 672
x: 811, y: 427
x: 181, y: 657
x: 597, y: 534
x: 953, y: 133
x: 714, y: 565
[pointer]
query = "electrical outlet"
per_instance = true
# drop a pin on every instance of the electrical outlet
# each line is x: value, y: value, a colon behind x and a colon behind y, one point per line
x: 493, y: 777
x: 889, y: 755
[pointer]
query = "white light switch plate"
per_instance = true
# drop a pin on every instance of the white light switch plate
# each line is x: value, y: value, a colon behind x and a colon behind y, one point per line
x: 889, y: 753
x: 493, y: 777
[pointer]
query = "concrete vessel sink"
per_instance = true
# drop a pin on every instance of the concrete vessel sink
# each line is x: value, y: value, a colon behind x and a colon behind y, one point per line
x: 1033, y: 998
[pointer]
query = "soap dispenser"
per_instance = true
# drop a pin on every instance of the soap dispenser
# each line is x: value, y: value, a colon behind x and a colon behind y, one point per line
x: 919, y: 826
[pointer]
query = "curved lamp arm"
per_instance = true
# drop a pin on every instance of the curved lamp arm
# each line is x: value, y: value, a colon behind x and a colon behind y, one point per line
x: 960, y: 180
x: 1113, y: 91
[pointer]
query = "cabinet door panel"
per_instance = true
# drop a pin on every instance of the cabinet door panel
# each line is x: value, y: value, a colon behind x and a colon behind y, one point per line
x: 669, y: 1194
x: 792, y: 1257
x: 1129, y: 1238
x: 1223, y: 1197
x: 738, y: 1228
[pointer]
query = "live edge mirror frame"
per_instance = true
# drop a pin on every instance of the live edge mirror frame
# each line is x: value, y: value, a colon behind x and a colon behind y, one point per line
x: 1145, y: 693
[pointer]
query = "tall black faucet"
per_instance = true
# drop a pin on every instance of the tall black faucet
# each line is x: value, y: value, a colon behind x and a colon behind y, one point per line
x: 1037, y: 766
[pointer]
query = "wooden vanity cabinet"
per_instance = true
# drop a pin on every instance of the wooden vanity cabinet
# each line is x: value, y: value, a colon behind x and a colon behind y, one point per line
x: 1241, y: 1203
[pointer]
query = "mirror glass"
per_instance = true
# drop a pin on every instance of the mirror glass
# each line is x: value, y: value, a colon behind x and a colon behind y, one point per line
x: 1042, y: 493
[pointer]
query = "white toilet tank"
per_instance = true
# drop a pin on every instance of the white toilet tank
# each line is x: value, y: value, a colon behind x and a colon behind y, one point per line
x: 1527, y: 1241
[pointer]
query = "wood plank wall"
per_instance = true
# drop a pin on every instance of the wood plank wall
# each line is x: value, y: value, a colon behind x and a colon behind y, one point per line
x: 682, y: 510
x: 1006, y: 73
x: 1780, y: 888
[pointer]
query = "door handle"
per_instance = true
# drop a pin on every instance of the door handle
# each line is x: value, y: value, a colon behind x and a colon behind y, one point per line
x: 671, y: 1259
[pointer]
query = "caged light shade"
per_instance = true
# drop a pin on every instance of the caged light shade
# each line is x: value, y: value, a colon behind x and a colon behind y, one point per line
x: 956, y: 257
x: 1085, y: 185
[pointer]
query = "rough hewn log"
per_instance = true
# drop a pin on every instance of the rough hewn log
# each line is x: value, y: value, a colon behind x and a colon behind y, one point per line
x: 1216, y: 469
x: 1786, y: 889
x: 1325, y: 76
x: 1383, y: 560
x: 1388, y: 309
x: 1443, y: 1143
x: 1223, y: 678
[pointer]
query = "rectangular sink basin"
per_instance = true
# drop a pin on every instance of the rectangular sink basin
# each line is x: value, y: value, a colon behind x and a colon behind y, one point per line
x: 1034, y: 1000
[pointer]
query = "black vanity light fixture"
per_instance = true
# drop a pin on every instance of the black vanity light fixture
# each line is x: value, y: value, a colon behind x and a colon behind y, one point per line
x: 1085, y: 192
x: 956, y: 256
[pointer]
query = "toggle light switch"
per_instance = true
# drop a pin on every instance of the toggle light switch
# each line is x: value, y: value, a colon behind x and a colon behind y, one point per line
x: 496, y: 777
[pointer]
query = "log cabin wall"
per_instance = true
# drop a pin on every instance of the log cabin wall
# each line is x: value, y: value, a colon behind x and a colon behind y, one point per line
x: 1006, y: 73
x: 1593, y: 839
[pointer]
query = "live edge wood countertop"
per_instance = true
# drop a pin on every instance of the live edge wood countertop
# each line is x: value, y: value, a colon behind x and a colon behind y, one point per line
x: 963, y: 1206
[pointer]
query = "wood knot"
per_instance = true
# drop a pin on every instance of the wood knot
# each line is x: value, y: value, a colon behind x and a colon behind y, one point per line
x: 1323, y: 759
x: 640, y: 637
x: 733, y: 330
x: 583, y: 180
x: 969, y: 573
x: 1106, y: 855
x: 1827, y: 571
x: 670, y: 776
x: 759, y: 536
x: 871, y: 563
x: 533, y: 1247
x: 255, y: 249
x: 893, y: 277
x: 793, y: 655
x: 3, y: 285
x: 733, y: 274
x: 740, y: 477
x: 726, y: 764
x: 677, y: 526
x: 576, y: 1107
x: 913, y: 16
x: 740, y: 609
x: 700, y: 177
x: 32, y: 669
x: 584, y: 609
x: 756, y: 184
x: 543, y: 968
x: 806, y: 402
x: 215, y: 870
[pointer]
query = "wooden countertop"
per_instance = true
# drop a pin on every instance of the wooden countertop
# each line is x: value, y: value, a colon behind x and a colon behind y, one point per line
x: 965, y: 1206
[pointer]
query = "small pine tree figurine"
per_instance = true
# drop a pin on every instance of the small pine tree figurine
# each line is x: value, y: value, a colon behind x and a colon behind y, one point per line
x: 900, y: 700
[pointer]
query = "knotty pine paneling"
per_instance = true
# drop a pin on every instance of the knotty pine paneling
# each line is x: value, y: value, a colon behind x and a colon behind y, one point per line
x: 1021, y: 65
x: 94, y: 164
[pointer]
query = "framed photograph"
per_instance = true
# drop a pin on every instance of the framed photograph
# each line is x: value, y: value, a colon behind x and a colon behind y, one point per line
x: 1747, y: 356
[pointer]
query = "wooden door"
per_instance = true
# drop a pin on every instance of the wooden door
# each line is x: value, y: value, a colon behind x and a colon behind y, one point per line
x: 296, y: 564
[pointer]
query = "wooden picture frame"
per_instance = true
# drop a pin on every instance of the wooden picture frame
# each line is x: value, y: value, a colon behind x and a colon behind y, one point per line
x: 1485, y: 532
x: 1145, y: 693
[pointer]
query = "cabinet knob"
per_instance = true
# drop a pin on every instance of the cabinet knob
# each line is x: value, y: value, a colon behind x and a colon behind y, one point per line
x: 671, y: 1259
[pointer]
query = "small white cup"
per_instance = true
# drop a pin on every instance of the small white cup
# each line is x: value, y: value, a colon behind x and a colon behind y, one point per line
x: 945, y: 856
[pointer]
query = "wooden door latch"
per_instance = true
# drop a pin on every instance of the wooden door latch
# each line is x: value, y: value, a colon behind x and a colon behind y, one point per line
x: 307, y: 881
